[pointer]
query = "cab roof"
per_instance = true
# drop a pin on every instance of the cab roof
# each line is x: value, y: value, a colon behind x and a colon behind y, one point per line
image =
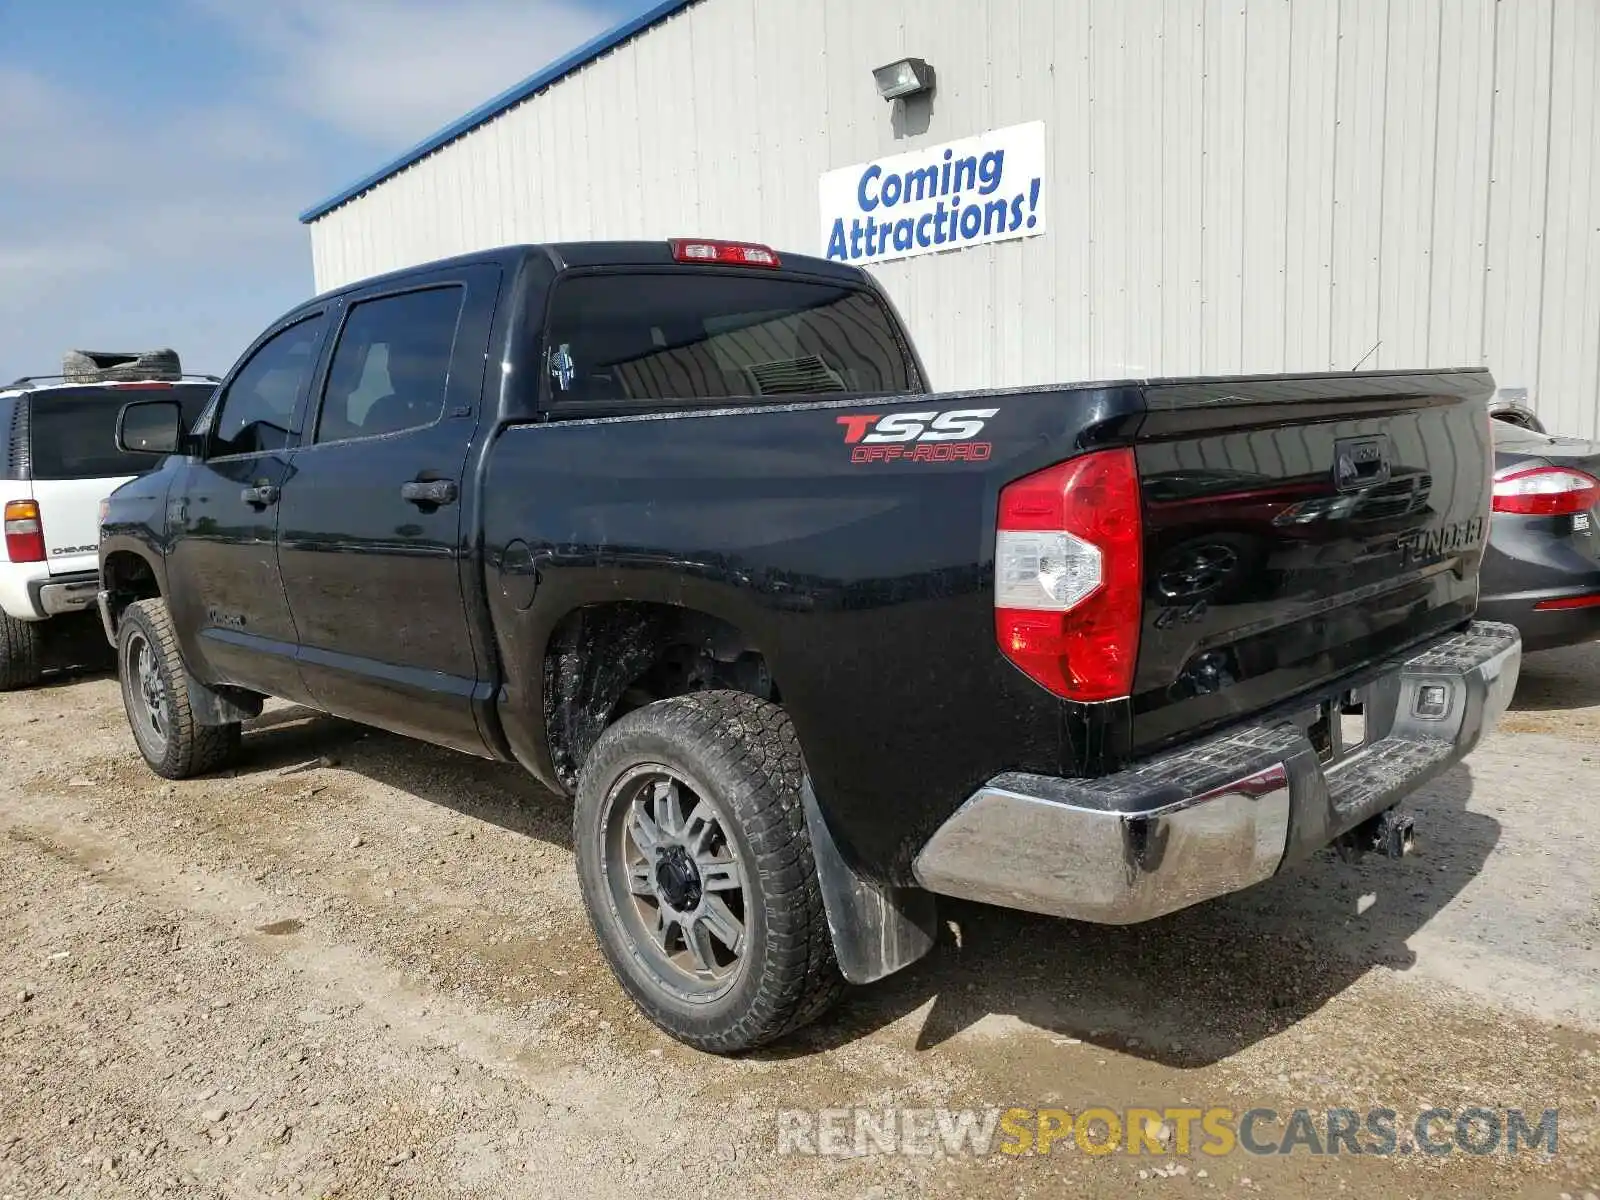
x: 568, y: 255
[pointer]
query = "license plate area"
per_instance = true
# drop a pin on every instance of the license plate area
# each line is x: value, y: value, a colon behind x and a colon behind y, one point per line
x: 1353, y: 722
x: 1338, y: 728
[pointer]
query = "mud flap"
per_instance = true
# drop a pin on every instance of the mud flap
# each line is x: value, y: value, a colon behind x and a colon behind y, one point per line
x: 876, y: 928
x: 221, y: 707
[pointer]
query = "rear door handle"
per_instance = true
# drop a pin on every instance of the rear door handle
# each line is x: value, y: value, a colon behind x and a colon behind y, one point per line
x: 260, y: 496
x: 429, y: 493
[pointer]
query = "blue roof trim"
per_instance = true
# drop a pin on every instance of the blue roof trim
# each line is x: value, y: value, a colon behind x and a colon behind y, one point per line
x: 485, y: 113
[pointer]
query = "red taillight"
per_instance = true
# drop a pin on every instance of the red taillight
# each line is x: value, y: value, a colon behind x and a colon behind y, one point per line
x: 735, y: 254
x: 1545, y: 491
x: 1068, y: 575
x: 24, y: 533
x: 1592, y: 600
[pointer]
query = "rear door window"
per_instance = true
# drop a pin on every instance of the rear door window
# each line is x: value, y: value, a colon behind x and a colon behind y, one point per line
x: 391, y: 365
x: 73, y: 431
x: 681, y: 337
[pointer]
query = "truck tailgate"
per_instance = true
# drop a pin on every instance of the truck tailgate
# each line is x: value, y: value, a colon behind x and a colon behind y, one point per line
x: 1297, y: 529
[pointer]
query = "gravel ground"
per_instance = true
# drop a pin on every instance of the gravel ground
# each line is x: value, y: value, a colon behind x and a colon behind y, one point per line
x: 358, y: 966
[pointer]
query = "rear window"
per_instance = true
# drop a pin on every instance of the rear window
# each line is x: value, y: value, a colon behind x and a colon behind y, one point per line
x: 682, y: 337
x: 74, y: 431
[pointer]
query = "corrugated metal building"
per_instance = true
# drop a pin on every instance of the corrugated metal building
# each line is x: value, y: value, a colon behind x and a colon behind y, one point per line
x: 1230, y: 185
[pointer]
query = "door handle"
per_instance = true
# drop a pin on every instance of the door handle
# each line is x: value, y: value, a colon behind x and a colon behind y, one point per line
x: 429, y: 493
x: 260, y: 496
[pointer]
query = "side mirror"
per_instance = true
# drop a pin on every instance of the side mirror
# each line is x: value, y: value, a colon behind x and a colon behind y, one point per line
x: 150, y: 427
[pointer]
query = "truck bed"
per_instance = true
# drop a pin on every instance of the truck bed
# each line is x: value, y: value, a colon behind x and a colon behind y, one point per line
x: 865, y: 569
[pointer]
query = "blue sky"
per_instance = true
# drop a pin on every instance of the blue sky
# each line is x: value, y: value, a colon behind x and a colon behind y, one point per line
x: 154, y: 154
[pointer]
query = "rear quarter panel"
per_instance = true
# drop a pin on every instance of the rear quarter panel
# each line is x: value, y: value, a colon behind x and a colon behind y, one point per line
x: 1530, y: 558
x: 866, y: 581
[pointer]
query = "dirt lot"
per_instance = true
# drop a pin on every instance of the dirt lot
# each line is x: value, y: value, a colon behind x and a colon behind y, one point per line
x: 370, y: 976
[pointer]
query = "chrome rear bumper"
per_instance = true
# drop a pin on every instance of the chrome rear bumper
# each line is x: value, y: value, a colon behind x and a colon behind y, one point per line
x: 62, y: 594
x: 1229, y: 812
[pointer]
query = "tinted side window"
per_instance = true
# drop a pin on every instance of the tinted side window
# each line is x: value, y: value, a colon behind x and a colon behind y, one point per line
x: 684, y: 336
x: 258, y: 406
x: 391, y: 365
x: 74, y: 430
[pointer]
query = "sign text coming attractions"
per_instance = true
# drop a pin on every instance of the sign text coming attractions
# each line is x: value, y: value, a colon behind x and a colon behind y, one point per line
x: 988, y: 188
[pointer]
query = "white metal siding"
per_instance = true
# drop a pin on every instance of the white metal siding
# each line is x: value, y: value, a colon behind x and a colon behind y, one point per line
x: 1236, y: 185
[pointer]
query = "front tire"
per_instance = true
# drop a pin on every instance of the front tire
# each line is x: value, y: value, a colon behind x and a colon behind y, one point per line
x: 19, y: 654
x: 697, y: 871
x: 155, y: 693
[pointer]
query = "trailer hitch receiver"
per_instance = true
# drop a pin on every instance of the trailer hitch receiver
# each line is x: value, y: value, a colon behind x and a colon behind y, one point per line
x: 1389, y: 833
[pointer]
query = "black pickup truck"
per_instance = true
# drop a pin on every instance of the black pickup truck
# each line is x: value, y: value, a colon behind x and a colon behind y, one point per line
x: 680, y: 528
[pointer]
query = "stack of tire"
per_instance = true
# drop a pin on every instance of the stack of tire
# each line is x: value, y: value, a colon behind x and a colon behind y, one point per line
x: 111, y: 366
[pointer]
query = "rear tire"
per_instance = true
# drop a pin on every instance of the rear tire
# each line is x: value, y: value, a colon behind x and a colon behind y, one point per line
x: 155, y: 693
x: 19, y: 654
x: 689, y: 829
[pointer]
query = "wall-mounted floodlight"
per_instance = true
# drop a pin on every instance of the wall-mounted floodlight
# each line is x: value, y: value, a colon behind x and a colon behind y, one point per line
x: 906, y: 77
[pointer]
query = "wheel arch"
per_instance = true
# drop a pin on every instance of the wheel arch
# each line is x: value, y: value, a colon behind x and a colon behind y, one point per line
x: 127, y: 576
x: 606, y: 658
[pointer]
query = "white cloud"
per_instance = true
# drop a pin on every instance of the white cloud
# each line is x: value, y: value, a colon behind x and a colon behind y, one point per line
x: 394, y: 71
x: 123, y: 224
x: 50, y: 140
x: 24, y: 266
x: 118, y: 222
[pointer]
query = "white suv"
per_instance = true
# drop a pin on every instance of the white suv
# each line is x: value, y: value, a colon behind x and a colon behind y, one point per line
x: 58, y: 460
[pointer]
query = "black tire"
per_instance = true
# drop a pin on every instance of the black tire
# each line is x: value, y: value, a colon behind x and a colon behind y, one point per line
x: 79, y: 367
x: 90, y: 366
x: 173, y: 743
x: 19, y: 653
x: 741, y: 755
